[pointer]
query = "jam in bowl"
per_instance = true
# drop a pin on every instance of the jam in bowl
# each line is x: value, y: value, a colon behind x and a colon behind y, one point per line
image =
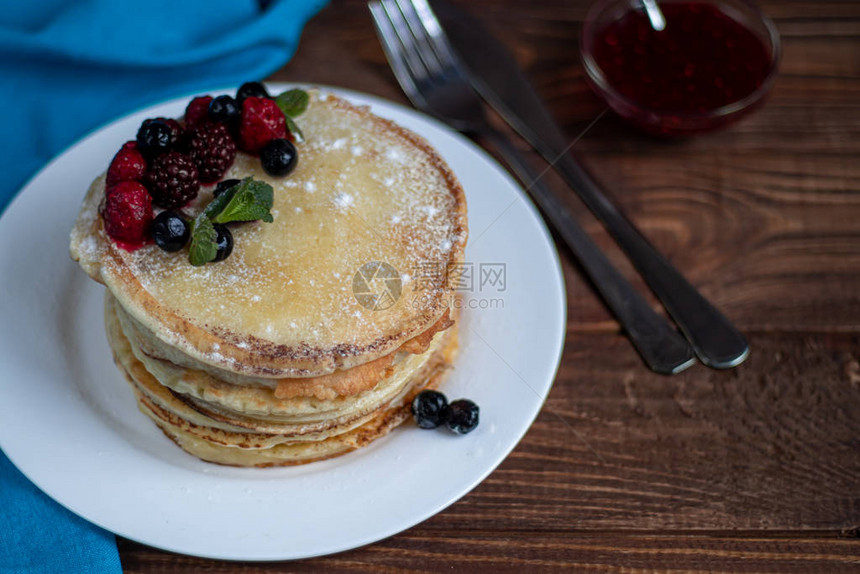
x: 712, y: 63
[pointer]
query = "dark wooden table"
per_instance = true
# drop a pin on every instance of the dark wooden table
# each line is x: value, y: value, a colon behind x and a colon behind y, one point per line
x: 756, y: 469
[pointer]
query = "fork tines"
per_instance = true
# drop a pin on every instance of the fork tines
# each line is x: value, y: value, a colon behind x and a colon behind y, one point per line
x: 411, y: 33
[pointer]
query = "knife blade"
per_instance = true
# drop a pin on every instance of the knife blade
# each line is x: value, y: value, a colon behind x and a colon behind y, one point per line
x: 496, y: 75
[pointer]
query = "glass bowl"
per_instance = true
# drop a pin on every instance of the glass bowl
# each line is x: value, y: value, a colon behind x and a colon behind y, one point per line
x: 666, y: 120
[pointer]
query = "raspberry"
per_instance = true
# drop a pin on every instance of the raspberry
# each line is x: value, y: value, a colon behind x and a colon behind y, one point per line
x: 262, y: 122
x: 213, y: 150
x: 197, y: 111
x: 127, y: 212
x: 172, y: 180
x: 127, y: 165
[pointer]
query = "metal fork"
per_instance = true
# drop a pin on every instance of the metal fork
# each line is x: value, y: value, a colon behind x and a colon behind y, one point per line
x: 434, y: 80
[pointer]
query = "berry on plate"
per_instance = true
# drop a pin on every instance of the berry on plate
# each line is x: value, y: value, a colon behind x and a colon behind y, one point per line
x: 461, y: 416
x: 262, y: 121
x: 224, y: 109
x: 225, y: 185
x: 428, y: 408
x: 224, y: 241
x: 156, y: 136
x: 127, y: 212
x: 251, y: 90
x: 127, y: 165
x: 172, y: 180
x: 279, y: 157
x: 212, y: 148
x: 170, y: 231
x: 197, y: 111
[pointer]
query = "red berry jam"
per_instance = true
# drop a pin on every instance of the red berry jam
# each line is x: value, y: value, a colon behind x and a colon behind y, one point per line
x: 130, y: 247
x: 703, y: 60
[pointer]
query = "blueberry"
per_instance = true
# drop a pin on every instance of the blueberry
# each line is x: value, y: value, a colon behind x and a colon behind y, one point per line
x: 461, y: 416
x: 225, y: 185
x: 170, y: 231
x: 279, y: 157
x: 154, y: 137
x: 224, y: 109
x: 427, y: 408
x: 224, y: 242
x: 251, y: 90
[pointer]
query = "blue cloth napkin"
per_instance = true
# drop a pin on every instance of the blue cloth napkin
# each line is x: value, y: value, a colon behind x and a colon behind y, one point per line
x: 67, y: 67
x: 39, y: 535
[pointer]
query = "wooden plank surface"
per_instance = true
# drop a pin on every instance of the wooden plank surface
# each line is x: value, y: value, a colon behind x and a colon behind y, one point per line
x: 750, y: 470
x: 518, y: 552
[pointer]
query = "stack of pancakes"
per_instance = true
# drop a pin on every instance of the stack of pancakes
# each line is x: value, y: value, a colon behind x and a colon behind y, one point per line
x: 310, y: 339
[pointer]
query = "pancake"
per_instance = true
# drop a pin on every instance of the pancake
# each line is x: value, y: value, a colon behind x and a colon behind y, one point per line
x: 255, y: 406
x: 282, y: 305
x: 279, y: 354
x: 338, y: 383
x: 259, y: 443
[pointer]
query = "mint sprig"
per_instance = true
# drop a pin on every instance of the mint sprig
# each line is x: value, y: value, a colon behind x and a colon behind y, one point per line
x: 293, y: 103
x: 294, y: 128
x: 248, y: 200
x: 204, y: 246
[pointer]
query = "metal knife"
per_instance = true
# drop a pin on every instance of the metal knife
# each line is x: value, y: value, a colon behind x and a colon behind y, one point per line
x: 495, y: 74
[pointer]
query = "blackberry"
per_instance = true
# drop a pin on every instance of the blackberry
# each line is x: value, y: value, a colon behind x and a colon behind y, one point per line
x: 461, y: 416
x: 428, y: 408
x: 279, y: 157
x: 224, y: 242
x: 224, y: 109
x: 170, y: 231
x: 172, y: 180
x: 212, y: 149
x: 225, y: 185
x: 251, y: 90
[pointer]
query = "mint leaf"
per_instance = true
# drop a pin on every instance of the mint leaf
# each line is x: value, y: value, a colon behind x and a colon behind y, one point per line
x: 248, y: 201
x: 203, y: 247
x: 294, y: 129
x: 293, y: 102
x: 218, y: 204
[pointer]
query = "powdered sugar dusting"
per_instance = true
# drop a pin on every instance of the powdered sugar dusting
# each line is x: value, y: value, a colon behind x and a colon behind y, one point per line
x: 395, y: 155
x: 343, y: 200
x: 358, y: 194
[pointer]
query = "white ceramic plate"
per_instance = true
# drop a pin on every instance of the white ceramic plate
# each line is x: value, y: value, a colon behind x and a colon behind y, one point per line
x: 69, y: 422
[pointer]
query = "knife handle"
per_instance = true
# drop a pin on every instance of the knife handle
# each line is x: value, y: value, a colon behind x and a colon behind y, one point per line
x: 662, y: 348
x: 715, y: 340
